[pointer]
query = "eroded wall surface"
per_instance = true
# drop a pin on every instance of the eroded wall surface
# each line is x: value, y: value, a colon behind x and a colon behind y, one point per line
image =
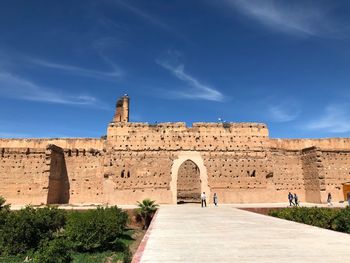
x: 238, y: 161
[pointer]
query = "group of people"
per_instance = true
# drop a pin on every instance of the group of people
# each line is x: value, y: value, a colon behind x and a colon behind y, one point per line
x: 204, y: 199
x: 293, y: 199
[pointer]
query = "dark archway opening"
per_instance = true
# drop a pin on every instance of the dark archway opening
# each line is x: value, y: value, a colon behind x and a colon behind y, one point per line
x: 188, y: 183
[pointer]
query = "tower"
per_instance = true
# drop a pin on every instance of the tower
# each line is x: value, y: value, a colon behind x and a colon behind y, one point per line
x: 122, y: 109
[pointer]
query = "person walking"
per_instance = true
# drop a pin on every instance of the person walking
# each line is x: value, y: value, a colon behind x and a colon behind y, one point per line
x: 290, y: 198
x: 329, y: 199
x: 204, y: 199
x: 296, y: 199
x: 215, y: 199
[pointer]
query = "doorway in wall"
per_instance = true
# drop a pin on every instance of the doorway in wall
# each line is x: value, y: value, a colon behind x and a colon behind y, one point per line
x: 188, y: 183
x: 346, y: 190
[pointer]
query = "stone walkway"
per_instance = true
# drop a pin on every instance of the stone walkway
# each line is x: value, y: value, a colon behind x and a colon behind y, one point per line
x: 189, y: 233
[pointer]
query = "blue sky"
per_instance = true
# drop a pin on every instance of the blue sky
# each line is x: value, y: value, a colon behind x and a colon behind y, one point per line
x: 63, y: 64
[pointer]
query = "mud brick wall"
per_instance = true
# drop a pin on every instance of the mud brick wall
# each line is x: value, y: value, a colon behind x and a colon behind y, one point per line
x: 286, y: 166
x: 178, y: 137
x: 25, y: 174
x: 335, y: 172
x: 312, y: 172
x: 58, y: 178
x: 85, y: 175
x: 131, y: 176
x: 233, y: 175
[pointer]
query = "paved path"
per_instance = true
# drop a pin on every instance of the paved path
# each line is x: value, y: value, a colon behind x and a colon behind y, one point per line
x: 188, y: 233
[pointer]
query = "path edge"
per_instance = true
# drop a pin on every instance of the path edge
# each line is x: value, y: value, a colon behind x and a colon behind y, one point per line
x: 139, y: 252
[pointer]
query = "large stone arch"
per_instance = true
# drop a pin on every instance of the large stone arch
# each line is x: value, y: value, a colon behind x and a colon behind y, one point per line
x: 198, y: 160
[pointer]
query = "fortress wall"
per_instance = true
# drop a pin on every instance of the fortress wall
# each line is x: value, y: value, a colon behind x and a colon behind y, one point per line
x: 176, y: 136
x: 287, y: 175
x: 85, y: 175
x: 312, y: 168
x: 24, y: 175
x: 85, y: 143
x: 238, y: 177
x: 58, y: 178
x: 335, y: 172
x: 132, y: 176
x: 298, y: 144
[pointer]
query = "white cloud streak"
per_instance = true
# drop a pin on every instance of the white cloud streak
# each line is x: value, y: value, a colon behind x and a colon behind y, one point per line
x: 280, y: 113
x: 73, y: 70
x: 290, y: 17
x: 198, y: 91
x: 144, y: 15
x: 12, y: 86
x: 336, y: 119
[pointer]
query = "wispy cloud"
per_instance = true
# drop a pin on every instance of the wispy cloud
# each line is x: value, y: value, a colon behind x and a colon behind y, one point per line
x: 198, y: 90
x: 13, y: 86
x: 290, y: 17
x: 151, y: 19
x: 336, y: 119
x: 282, y: 113
x: 115, y: 72
x: 144, y: 15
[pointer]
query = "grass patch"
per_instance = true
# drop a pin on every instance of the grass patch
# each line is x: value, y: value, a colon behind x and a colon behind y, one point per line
x: 98, y: 257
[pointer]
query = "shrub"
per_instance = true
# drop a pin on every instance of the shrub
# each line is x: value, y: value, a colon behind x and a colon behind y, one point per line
x: 146, y: 210
x: 96, y: 230
x: 24, y: 229
x: 334, y: 219
x: 4, y: 210
x: 53, y: 251
x: 342, y: 221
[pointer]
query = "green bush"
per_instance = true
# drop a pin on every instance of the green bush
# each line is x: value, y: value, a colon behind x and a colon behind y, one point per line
x: 96, y: 230
x: 4, y: 210
x: 342, y: 221
x: 24, y: 229
x: 329, y: 218
x: 53, y: 251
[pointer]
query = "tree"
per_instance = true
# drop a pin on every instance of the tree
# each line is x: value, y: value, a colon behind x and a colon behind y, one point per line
x: 146, y: 210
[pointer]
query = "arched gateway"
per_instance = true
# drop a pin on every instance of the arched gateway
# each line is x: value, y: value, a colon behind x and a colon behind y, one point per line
x: 188, y: 183
x: 188, y: 178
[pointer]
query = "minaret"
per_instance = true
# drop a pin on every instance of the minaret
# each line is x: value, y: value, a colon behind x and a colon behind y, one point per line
x: 122, y: 109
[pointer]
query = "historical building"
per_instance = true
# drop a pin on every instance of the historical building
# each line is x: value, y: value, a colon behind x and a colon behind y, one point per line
x: 171, y: 163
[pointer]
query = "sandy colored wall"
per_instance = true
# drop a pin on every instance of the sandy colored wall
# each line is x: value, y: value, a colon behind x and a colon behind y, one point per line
x: 233, y: 174
x: 24, y: 175
x: 335, y: 172
x: 84, y: 170
x: 238, y: 161
x: 131, y: 176
x: 176, y: 136
x: 299, y: 144
x: 312, y: 168
x: 77, y: 143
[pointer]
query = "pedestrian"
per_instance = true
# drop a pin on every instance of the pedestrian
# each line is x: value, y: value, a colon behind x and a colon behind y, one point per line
x: 349, y: 198
x: 215, y: 199
x: 290, y: 198
x: 296, y: 199
x: 329, y: 199
x: 204, y: 199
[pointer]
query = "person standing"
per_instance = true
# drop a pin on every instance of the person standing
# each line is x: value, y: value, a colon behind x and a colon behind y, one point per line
x: 296, y: 199
x: 204, y: 199
x: 329, y: 199
x: 290, y: 198
x: 215, y: 199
